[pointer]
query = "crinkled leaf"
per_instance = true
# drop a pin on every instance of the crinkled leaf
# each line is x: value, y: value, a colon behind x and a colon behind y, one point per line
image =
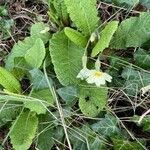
x: 8, y: 112
x: 142, y: 58
x: 40, y: 30
x: 38, y: 79
x: 21, y: 47
x: 19, y: 50
x: 76, y: 37
x: 20, y: 63
x: 92, y: 100
x: 68, y: 94
x: 44, y: 94
x: 135, y: 80
x: 132, y: 32
x: 20, y: 67
x: 58, y: 11
x: 57, y: 6
x: 120, y: 144
x: 66, y: 58
x: 83, y: 14
x: 23, y: 131
x: 61, y: 10
x: 105, y: 37
x: 37, y: 105
x: 36, y: 54
x: 107, y: 126
x: 9, y: 82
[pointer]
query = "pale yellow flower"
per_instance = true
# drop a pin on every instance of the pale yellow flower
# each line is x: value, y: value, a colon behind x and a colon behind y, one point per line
x: 98, y: 77
x: 83, y: 74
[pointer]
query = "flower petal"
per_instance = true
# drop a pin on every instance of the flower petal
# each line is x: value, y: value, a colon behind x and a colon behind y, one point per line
x: 90, y: 80
x: 100, y: 81
x: 83, y: 74
x: 97, y: 77
x: 107, y: 77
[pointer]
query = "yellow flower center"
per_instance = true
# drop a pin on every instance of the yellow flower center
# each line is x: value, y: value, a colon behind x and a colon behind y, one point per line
x: 98, y: 73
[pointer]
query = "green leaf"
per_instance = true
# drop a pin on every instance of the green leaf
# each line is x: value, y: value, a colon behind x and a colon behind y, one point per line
x: 92, y: 100
x: 135, y: 80
x: 145, y: 122
x: 126, y: 3
x: 5, y: 28
x: 8, y: 112
x: 58, y: 12
x: 142, y: 58
x: 107, y: 126
x: 68, y: 94
x: 84, y: 138
x: 1, y: 147
x: 20, y: 67
x: 132, y: 32
x: 38, y: 106
x: 105, y: 37
x: 19, y: 50
x: 145, y: 3
x: 61, y: 10
x: 120, y: 144
x: 20, y: 63
x: 83, y: 14
x: 40, y: 30
x: 9, y: 82
x: 66, y: 58
x: 96, y: 144
x: 3, y: 11
x: 76, y: 37
x: 45, y: 140
x: 34, y: 104
x: 108, y: 1
x: 36, y: 54
x: 44, y: 94
x: 65, y: 15
x: 57, y: 7
x: 23, y: 131
x: 117, y: 63
x: 59, y: 133
x: 38, y: 79
x: 22, y: 47
x: 46, y: 132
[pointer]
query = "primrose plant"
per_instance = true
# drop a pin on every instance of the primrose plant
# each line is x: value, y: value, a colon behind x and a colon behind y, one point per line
x: 93, y: 76
x: 54, y: 61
